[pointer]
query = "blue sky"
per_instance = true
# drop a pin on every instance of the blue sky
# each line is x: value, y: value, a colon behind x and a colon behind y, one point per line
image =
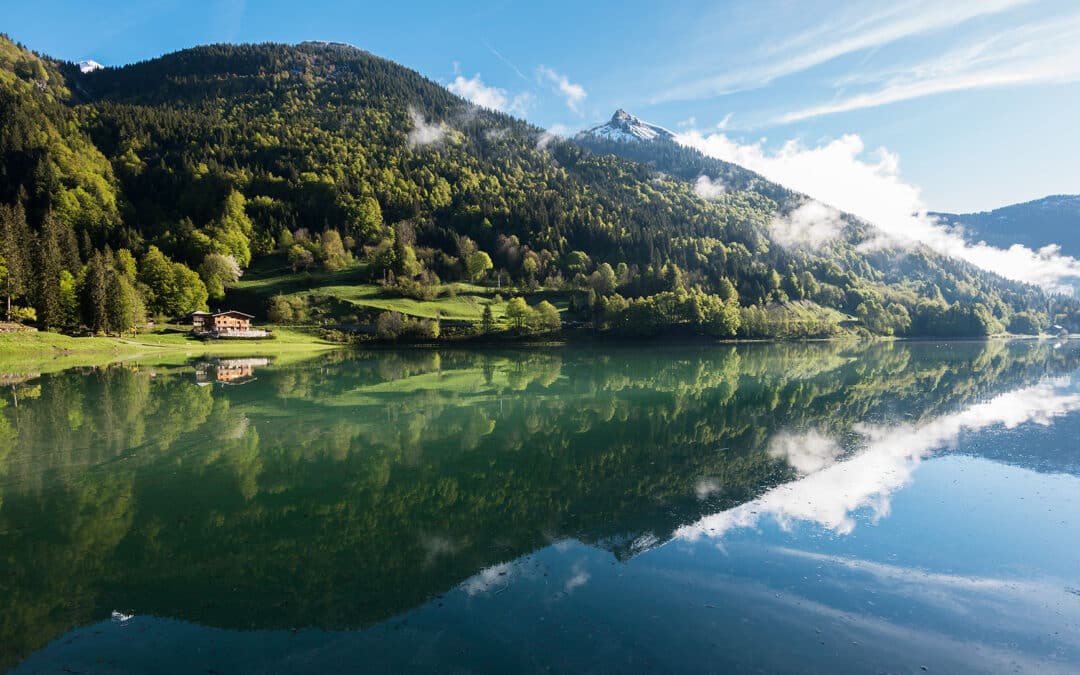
x: 974, y: 103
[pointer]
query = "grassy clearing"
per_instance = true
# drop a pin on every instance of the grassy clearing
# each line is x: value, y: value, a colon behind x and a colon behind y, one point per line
x: 368, y: 296
x: 51, y: 352
x: 347, y: 292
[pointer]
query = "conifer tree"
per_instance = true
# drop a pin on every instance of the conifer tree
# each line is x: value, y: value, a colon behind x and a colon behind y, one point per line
x: 94, y: 293
x: 46, y: 275
x: 14, y: 263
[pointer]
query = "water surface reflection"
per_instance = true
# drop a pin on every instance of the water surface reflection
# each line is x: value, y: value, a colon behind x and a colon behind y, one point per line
x: 676, y: 508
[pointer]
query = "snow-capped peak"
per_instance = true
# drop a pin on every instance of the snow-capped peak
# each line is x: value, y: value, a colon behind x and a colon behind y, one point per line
x: 89, y: 66
x: 625, y: 127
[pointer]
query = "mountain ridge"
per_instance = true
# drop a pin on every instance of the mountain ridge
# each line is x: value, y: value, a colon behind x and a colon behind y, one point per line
x: 1053, y: 219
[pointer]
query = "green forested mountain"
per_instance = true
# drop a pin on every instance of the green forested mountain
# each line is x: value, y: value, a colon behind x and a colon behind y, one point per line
x: 150, y: 188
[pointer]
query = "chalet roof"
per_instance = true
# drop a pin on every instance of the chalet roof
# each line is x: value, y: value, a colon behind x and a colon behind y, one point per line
x: 198, y: 313
x: 233, y: 312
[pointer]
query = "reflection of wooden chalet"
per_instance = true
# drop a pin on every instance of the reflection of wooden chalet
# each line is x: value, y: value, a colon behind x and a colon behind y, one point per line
x: 228, y: 371
x: 230, y: 324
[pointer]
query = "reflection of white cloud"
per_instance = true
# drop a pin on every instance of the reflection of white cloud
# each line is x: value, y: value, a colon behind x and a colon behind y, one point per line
x: 579, y: 577
x: 437, y: 545
x: 1012, y: 613
x: 921, y: 579
x: 832, y: 493
x: 806, y: 453
x: 706, y: 487
x: 488, y: 579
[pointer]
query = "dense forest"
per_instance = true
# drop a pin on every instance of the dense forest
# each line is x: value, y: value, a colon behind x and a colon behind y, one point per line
x: 148, y: 190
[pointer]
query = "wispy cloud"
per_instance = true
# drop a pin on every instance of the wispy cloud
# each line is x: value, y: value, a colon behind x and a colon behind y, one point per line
x: 813, y: 225
x: 707, y: 188
x: 1035, y: 54
x: 424, y: 132
x: 487, y: 96
x: 508, y: 62
x: 556, y: 132
x: 842, y: 174
x: 837, y: 36
x: 574, y: 93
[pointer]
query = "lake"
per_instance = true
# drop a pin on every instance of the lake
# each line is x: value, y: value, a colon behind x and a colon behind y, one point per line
x: 868, y: 507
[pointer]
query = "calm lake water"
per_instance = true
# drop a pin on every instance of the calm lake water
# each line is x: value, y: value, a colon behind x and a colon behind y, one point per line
x: 900, y: 508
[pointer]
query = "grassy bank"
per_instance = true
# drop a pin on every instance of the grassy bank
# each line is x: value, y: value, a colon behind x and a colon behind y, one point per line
x: 51, y: 352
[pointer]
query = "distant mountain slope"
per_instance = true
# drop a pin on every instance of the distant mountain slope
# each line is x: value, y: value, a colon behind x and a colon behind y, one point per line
x: 1050, y: 220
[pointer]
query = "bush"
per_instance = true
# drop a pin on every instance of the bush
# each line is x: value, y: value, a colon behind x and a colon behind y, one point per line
x: 546, y: 316
x: 390, y: 326
x: 284, y: 309
x: 1028, y: 323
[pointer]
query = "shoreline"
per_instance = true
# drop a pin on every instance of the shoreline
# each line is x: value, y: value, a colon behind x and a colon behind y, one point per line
x: 34, y: 352
x: 40, y: 352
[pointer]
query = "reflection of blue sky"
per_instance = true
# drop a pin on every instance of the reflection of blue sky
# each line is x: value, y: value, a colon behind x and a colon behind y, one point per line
x: 886, y: 558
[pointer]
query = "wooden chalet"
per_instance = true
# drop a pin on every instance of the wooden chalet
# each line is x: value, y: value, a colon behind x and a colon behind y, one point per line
x: 231, y: 323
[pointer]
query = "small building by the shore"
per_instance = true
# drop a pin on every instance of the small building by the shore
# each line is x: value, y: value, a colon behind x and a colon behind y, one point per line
x: 197, y: 320
x: 230, y: 323
x: 231, y: 320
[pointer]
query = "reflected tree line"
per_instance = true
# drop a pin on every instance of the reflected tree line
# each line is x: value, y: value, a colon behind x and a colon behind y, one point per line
x: 342, y: 492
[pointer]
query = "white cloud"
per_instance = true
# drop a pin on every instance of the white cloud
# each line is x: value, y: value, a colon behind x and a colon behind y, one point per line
x: 812, y: 226
x: 838, y: 35
x: 423, y: 132
x: 1044, y: 53
x: 553, y: 133
x: 486, y: 96
x: 842, y: 174
x: 575, y: 93
x: 707, y: 188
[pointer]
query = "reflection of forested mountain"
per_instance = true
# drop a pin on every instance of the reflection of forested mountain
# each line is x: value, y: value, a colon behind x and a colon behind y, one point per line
x: 342, y: 493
